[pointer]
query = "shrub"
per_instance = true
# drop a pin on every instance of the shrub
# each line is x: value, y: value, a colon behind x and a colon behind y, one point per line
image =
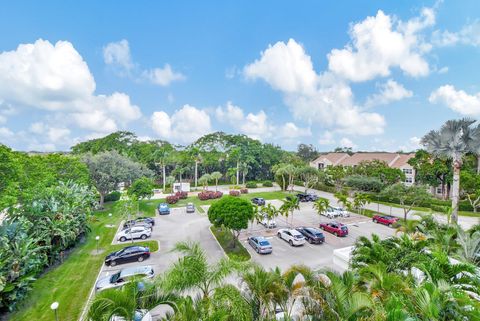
x: 364, y: 183
x: 113, y: 196
x: 251, y: 185
x: 325, y: 188
x: 172, y: 199
x: 235, y: 187
x: 244, y: 191
x: 234, y: 192
x: 181, y: 195
x: 267, y: 184
x: 208, y: 195
x: 217, y: 194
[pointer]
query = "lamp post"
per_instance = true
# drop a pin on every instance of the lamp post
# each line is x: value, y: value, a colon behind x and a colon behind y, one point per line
x: 97, y: 238
x: 54, y: 307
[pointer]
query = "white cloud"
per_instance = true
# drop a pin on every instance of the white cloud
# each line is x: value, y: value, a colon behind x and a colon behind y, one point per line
x: 379, y: 43
x: 457, y: 100
x: 443, y: 70
x: 163, y: 76
x: 54, y: 77
x: 412, y: 145
x: 118, y: 54
x: 230, y: 113
x: 313, y: 98
x: 468, y: 35
x: 345, y: 142
x: 5, y: 133
x: 185, y: 125
x: 3, y: 119
x: 389, y: 91
x: 326, y: 138
x: 290, y: 130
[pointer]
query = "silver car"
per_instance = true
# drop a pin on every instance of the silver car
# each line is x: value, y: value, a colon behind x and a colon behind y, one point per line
x: 190, y: 208
x: 260, y: 244
x: 124, y: 276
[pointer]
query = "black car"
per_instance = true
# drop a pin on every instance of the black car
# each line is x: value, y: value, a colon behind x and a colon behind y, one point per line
x: 258, y: 201
x: 128, y: 254
x: 137, y: 222
x: 150, y: 220
x: 307, y: 197
x: 312, y: 235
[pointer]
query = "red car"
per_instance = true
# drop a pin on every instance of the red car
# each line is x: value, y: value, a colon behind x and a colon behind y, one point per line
x: 385, y: 220
x: 337, y: 229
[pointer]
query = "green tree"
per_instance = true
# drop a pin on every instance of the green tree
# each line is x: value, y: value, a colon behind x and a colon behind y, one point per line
x: 321, y: 205
x: 470, y: 187
x: 204, y: 180
x: 290, y: 204
x: 232, y: 213
x: 216, y: 176
x: 309, y: 176
x: 360, y: 200
x: 342, y: 198
x: 108, y: 169
x: 307, y: 152
x: 407, y: 196
x: 142, y: 188
x: 454, y: 139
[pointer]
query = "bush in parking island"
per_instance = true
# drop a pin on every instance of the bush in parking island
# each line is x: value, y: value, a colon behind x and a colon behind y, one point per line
x: 172, y: 199
x: 181, y: 195
x: 208, y: 195
x: 267, y: 184
x: 244, y: 191
x: 234, y: 193
x: 251, y: 185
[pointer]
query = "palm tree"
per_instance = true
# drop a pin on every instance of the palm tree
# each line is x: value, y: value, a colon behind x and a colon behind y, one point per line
x: 290, y: 204
x: 162, y: 157
x: 216, y: 176
x: 321, y: 205
x: 127, y: 302
x: 192, y: 272
x: 204, y: 180
x: 454, y: 139
x: 244, y: 167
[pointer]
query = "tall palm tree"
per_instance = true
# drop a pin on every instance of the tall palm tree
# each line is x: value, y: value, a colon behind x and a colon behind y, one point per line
x: 162, y: 157
x: 452, y: 141
x: 321, y: 205
x: 290, y: 204
x: 216, y: 176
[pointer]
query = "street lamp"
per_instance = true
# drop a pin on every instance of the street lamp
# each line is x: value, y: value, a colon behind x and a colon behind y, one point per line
x: 97, y: 238
x: 54, y: 307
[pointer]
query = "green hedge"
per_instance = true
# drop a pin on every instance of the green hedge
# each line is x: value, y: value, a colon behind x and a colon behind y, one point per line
x: 113, y: 196
x: 267, y: 184
x: 251, y: 185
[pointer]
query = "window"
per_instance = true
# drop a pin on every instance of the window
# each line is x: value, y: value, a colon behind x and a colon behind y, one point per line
x: 409, y: 180
x: 439, y: 190
x: 407, y: 171
x: 321, y: 165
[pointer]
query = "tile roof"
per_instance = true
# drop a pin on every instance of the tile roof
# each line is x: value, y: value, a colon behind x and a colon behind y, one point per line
x: 333, y: 157
x: 357, y: 158
x: 403, y: 160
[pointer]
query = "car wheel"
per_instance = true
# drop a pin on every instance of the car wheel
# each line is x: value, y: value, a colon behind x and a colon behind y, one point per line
x: 290, y: 242
x: 140, y: 259
x: 335, y: 233
x: 374, y: 221
x: 258, y: 251
x: 123, y: 239
x: 390, y: 225
x: 310, y: 241
x: 322, y: 227
x: 279, y: 235
x: 113, y: 263
x: 143, y: 237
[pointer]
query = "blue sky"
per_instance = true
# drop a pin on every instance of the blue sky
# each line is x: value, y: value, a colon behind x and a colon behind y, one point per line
x: 373, y: 75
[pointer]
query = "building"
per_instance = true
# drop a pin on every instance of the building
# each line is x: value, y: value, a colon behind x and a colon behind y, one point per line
x: 394, y: 160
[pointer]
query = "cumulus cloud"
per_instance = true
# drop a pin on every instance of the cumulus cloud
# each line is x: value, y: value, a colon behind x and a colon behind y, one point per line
x: 412, y: 145
x: 117, y: 54
x: 345, y: 142
x: 54, y: 77
x: 389, y: 91
x: 184, y: 125
x: 326, y: 138
x: 314, y: 98
x: 5, y: 133
x: 457, y: 100
x: 379, y: 44
x: 290, y: 130
x: 163, y: 76
x: 468, y: 35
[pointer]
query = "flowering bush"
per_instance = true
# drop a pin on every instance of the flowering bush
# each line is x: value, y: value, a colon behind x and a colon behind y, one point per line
x: 172, y: 199
x: 234, y: 193
x: 208, y: 195
x: 217, y: 194
x: 181, y: 195
x: 244, y: 191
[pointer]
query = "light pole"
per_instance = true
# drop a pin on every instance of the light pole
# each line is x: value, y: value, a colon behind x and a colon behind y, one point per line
x: 97, y: 238
x: 54, y: 307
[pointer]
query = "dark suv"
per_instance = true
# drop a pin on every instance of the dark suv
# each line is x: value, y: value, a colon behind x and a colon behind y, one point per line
x: 312, y: 235
x: 258, y: 201
x: 307, y: 197
x: 128, y: 254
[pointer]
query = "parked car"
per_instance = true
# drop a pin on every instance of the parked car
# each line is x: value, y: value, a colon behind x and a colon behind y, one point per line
x: 135, y: 232
x: 260, y: 244
x: 337, y: 229
x: 124, y: 276
x: 307, y: 197
x: 258, y: 201
x: 150, y: 220
x: 190, y: 208
x: 140, y: 315
x: 163, y: 209
x: 341, y: 211
x: 293, y: 237
x: 132, y: 223
x: 388, y: 220
x: 268, y: 223
x: 128, y: 254
x: 312, y: 235
x: 330, y: 212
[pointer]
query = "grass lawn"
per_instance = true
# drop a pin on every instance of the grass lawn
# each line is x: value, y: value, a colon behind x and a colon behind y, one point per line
x: 70, y: 283
x: 149, y: 206
x: 224, y: 237
x: 365, y: 212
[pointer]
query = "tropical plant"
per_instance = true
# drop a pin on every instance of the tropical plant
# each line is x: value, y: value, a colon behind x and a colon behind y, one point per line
x: 407, y: 196
x: 216, y: 176
x: 204, y: 180
x: 321, y: 205
x: 290, y: 204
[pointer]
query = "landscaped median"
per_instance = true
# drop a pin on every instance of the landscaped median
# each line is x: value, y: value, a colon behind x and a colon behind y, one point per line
x: 70, y: 283
x: 225, y: 239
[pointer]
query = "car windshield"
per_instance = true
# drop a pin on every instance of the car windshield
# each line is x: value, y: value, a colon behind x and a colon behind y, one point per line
x: 318, y: 234
x: 298, y: 236
x: 115, y: 277
x: 344, y: 228
x: 264, y: 243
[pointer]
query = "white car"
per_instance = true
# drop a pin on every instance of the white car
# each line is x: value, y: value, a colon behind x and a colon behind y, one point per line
x: 268, y: 223
x: 124, y: 276
x: 140, y: 315
x: 293, y: 237
x: 341, y: 211
x: 135, y: 232
x: 330, y: 212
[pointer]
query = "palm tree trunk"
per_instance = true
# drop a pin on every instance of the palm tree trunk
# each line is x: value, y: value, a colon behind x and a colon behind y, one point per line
x: 238, y: 174
x: 478, y: 164
x: 455, y: 191
x: 243, y: 177
x: 164, y: 178
x: 196, y: 173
